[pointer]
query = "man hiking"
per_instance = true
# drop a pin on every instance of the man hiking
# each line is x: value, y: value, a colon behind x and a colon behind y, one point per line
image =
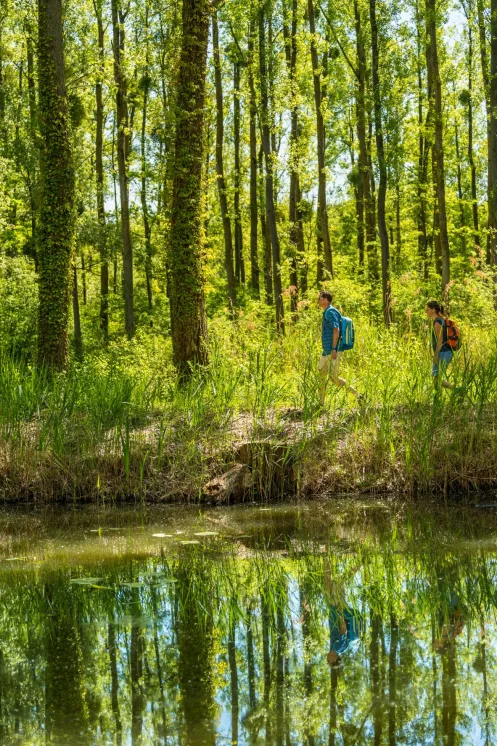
x: 329, y: 364
x: 442, y: 351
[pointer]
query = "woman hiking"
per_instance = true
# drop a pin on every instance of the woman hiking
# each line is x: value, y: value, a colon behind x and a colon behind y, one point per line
x: 442, y: 352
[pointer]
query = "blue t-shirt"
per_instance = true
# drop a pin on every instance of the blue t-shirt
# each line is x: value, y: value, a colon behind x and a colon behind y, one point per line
x: 445, y: 347
x: 340, y: 642
x: 331, y: 320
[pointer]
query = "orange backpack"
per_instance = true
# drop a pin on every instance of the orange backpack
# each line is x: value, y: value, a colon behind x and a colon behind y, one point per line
x: 453, y: 335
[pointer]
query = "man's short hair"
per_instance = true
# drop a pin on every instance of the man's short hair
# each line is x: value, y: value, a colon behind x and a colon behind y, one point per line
x: 326, y: 295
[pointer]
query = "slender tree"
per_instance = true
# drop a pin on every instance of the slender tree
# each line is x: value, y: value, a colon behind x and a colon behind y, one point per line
x: 221, y: 182
x: 382, y: 167
x: 323, y: 226
x: 145, y: 84
x: 436, y: 121
x: 99, y: 170
x: 254, y: 227
x: 56, y: 229
x: 123, y: 143
x: 493, y: 129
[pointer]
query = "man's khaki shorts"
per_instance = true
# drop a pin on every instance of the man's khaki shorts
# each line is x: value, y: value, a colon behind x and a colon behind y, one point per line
x: 327, y: 366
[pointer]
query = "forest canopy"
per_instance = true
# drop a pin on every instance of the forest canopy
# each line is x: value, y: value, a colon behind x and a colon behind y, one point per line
x: 164, y: 163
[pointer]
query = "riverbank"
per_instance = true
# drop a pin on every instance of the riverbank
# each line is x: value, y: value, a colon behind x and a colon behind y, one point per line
x: 249, y: 426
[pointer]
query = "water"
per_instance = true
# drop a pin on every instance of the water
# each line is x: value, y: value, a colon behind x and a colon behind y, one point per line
x: 322, y: 623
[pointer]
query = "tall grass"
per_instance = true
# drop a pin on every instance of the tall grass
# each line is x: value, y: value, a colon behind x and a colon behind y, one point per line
x: 111, y: 430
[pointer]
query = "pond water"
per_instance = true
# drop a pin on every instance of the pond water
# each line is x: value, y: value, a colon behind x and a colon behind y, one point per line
x: 317, y: 623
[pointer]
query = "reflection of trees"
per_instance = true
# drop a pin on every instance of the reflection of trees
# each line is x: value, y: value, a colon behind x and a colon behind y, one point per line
x: 66, y: 708
x: 194, y: 628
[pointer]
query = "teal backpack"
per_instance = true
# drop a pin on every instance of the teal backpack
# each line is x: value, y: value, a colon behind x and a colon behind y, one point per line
x: 347, y: 334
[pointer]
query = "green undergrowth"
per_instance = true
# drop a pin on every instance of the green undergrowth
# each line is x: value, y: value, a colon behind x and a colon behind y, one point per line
x: 121, y: 425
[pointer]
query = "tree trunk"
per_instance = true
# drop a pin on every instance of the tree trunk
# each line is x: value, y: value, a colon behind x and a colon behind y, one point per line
x: 363, y: 149
x: 474, y: 195
x: 189, y: 325
x: 254, y: 259
x: 239, y: 262
x: 270, y: 209
x: 99, y: 168
x: 382, y: 167
x: 423, y: 150
x: 267, y: 261
x: 221, y: 183
x: 118, y: 19
x: 486, y: 86
x: 56, y: 229
x: 460, y: 195
x: 78, y: 336
x: 435, y: 91
x: 493, y: 129
x: 143, y: 192
x: 296, y: 237
x: 323, y: 227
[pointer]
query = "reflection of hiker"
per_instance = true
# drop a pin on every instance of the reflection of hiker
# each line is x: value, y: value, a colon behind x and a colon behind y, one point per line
x: 442, y: 350
x: 345, y: 623
x: 329, y: 364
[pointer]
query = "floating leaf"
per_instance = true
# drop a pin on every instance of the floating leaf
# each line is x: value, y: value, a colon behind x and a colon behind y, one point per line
x: 206, y: 533
x: 136, y: 584
x: 85, y: 581
x: 190, y: 541
x: 15, y: 559
x: 163, y: 536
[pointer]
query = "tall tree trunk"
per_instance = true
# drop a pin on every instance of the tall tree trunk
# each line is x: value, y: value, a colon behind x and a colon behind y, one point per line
x: 221, y: 183
x: 189, y: 325
x: 423, y: 150
x: 382, y: 167
x: 270, y: 209
x: 471, y: 159
x: 486, y: 85
x: 296, y: 237
x: 118, y: 19
x: 392, y: 682
x: 143, y: 192
x: 137, y: 647
x: 99, y: 169
x: 375, y: 662
x: 78, y: 335
x: 114, y: 679
x: 254, y: 228
x: 364, y: 175
x: 437, y: 111
x: 323, y: 227
x: 234, y: 683
x: 56, y: 230
x: 460, y: 195
x: 267, y: 263
x: 239, y: 261
x: 33, y: 175
x: 493, y: 128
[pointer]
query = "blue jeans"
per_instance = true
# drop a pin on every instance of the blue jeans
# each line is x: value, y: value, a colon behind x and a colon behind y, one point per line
x: 444, y: 358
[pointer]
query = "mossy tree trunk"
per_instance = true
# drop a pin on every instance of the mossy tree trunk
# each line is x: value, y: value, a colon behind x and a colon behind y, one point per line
x: 186, y: 247
x: 56, y: 228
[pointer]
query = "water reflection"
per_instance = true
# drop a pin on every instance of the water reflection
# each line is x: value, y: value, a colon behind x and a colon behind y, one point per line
x: 369, y: 630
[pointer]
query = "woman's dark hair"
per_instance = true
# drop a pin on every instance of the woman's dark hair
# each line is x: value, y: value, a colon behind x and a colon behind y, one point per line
x: 326, y: 295
x: 436, y: 306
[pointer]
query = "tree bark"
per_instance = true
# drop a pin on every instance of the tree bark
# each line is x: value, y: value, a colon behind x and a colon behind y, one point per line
x: 254, y: 228
x: 423, y: 149
x: 99, y: 169
x: 78, y: 335
x: 147, y: 230
x: 471, y: 159
x: 382, y: 167
x: 493, y: 129
x: 221, y: 183
x: 123, y: 141
x: 460, y: 195
x: 56, y: 229
x: 189, y: 325
x: 323, y: 226
x: 268, y: 158
x: 365, y: 189
x: 486, y: 85
x: 239, y: 261
x: 435, y: 91
x: 296, y: 237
